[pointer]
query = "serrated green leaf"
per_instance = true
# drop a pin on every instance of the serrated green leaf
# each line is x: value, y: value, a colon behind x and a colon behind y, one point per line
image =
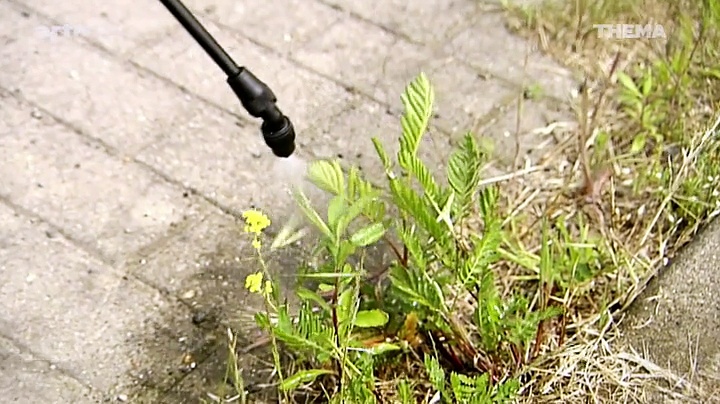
x: 368, y: 235
x: 464, y: 174
x: 404, y: 392
x: 328, y: 176
x: 435, y: 372
x: 418, y: 101
x: 413, y: 165
x: 413, y: 204
x: 303, y: 377
x: 371, y: 318
x: 357, y: 208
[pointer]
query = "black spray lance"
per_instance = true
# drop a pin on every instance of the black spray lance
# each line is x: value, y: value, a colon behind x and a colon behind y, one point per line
x: 255, y: 96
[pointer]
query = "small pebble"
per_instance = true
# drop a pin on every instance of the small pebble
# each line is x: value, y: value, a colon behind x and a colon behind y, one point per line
x: 122, y: 398
x: 199, y: 317
x: 36, y: 114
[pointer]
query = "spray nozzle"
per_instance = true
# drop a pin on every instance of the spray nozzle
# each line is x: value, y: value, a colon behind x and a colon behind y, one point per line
x: 254, y: 95
x: 259, y: 101
x: 279, y: 136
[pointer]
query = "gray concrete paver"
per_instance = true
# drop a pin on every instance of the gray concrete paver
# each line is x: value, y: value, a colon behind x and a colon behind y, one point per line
x: 114, y: 24
x: 359, y: 54
x: 95, y: 93
x: 676, y: 319
x: 463, y: 96
x: 204, y: 266
x: 83, y: 316
x: 349, y: 137
x: 227, y: 163
x: 14, y: 115
x: 427, y: 22
x: 282, y: 25
x: 110, y: 204
x: 488, y: 46
x: 181, y: 60
x: 25, y: 378
x: 505, y: 133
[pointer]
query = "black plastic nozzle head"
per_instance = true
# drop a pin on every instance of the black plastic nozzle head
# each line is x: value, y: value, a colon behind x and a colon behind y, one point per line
x: 259, y: 101
x: 279, y: 136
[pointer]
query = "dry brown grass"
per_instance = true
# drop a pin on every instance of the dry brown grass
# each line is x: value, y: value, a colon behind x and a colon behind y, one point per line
x: 586, y: 185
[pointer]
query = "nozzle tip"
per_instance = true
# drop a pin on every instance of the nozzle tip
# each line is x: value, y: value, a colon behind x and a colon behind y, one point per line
x: 280, y: 138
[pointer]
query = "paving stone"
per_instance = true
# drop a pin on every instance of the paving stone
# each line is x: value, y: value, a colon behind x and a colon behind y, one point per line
x: 675, y: 320
x: 14, y: 115
x: 281, y: 25
x: 350, y: 136
x: 427, y: 22
x: 93, y: 92
x: 111, y: 205
x: 227, y: 163
x: 75, y: 311
x: 112, y: 23
x: 359, y: 54
x: 489, y: 46
x: 303, y: 96
x: 26, y: 379
x: 464, y: 96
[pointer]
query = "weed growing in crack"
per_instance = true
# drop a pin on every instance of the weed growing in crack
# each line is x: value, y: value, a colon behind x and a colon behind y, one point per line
x: 437, y: 316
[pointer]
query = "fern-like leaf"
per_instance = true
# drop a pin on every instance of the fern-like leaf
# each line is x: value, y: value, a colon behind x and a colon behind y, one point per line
x: 418, y: 101
x: 413, y: 165
x: 417, y: 286
x: 464, y: 175
x: 435, y: 372
x: 414, y: 205
x: 328, y: 176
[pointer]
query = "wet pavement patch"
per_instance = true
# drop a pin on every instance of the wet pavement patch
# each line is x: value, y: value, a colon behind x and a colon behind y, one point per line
x: 203, y: 269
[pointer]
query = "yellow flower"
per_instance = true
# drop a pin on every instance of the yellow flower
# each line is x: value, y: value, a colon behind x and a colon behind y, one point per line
x: 255, y: 221
x: 268, y: 288
x: 253, y: 282
x: 256, y: 243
